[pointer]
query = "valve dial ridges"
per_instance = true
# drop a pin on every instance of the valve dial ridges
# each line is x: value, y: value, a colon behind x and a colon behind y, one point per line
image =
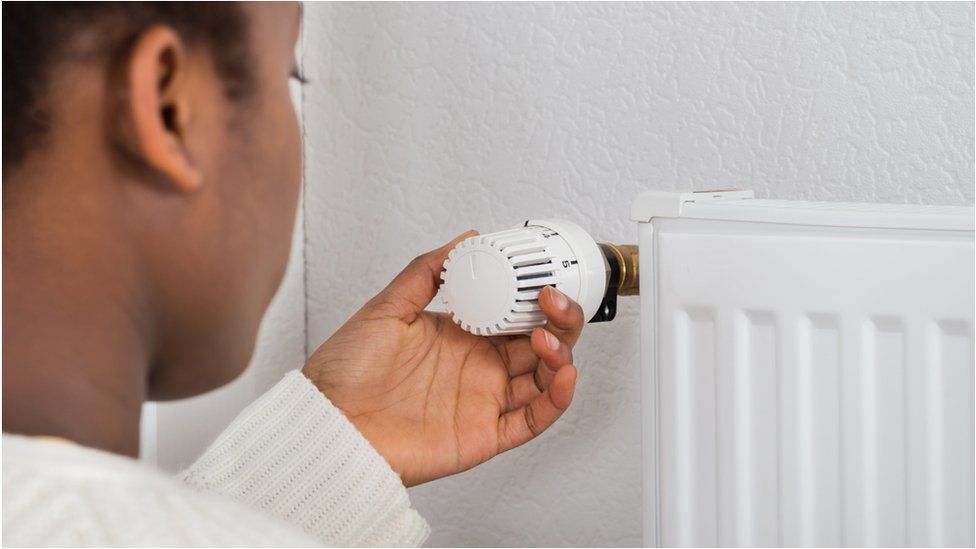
x: 520, y: 263
x: 492, y: 281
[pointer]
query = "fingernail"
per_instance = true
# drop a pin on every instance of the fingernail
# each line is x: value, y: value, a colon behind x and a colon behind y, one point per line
x: 551, y: 341
x: 558, y: 299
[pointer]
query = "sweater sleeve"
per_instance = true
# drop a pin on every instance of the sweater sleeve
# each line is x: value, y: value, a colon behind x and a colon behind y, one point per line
x: 294, y: 455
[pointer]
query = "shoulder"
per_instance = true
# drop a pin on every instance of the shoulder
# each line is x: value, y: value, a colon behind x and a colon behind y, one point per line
x: 59, y: 494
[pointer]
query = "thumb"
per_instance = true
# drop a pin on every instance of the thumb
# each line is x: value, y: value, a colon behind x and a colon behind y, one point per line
x: 416, y: 285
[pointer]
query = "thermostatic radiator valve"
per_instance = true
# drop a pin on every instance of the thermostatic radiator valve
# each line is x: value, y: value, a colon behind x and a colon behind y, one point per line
x: 492, y: 281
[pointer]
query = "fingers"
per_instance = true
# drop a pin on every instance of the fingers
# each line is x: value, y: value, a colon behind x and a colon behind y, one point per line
x: 565, y: 315
x: 521, y: 425
x: 565, y: 321
x: 518, y: 355
x: 523, y: 354
x: 521, y: 391
x: 414, y: 288
x: 553, y: 354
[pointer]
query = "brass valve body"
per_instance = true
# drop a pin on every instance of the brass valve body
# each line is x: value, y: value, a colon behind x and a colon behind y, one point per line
x: 628, y: 282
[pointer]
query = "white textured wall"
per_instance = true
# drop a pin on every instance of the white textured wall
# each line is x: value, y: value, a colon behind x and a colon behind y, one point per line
x: 423, y: 120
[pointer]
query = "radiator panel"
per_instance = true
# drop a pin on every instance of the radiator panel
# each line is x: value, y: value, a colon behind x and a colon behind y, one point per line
x: 807, y: 384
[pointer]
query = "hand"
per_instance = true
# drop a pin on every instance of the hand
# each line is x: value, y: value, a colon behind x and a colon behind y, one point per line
x: 433, y: 399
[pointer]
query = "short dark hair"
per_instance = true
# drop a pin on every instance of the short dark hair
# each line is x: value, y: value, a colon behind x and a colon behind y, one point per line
x: 37, y: 34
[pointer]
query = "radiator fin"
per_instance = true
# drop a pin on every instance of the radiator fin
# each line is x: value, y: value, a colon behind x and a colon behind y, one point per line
x: 816, y: 449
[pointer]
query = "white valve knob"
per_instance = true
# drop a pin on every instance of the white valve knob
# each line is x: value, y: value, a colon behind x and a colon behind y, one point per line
x: 492, y: 281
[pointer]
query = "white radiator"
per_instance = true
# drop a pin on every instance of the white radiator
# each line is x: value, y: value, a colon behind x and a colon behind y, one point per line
x: 807, y: 372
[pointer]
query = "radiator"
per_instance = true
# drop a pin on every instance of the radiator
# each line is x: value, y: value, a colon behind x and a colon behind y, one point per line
x: 807, y: 372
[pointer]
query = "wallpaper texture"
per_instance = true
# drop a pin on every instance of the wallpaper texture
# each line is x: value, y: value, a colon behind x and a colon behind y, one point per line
x: 422, y: 120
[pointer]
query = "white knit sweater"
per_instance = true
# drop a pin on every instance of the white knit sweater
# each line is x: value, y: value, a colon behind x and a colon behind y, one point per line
x: 291, y: 470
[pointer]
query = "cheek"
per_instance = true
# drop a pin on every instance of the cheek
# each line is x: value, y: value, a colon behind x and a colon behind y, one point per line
x: 261, y: 184
x: 283, y: 166
x: 293, y: 147
x: 289, y: 160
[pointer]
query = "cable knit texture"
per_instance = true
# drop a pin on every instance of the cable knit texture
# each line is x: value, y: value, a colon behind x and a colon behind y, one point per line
x: 291, y: 470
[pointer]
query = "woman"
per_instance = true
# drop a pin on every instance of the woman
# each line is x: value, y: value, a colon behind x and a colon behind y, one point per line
x: 152, y: 165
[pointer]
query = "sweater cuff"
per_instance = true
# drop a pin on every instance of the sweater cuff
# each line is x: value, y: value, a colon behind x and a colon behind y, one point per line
x: 294, y: 455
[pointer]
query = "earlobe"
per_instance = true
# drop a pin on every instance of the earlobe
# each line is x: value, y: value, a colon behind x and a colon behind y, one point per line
x: 158, y: 107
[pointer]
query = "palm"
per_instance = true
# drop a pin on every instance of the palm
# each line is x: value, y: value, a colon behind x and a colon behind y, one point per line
x: 431, y: 398
x: 428, y: 395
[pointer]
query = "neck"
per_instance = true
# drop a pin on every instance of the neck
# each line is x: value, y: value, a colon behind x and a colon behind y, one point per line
x: 76, y: 349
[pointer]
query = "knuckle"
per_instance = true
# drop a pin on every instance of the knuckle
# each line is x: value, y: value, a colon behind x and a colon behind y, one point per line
x: 385, y: 307
x: 530, y: 422
x: 510, y: 396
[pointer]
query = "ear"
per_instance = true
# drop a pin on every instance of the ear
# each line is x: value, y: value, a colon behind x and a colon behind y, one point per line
x: 158, y: 109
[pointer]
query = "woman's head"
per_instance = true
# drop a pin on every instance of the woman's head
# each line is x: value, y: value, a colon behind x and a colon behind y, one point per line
x: 168, y: 129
